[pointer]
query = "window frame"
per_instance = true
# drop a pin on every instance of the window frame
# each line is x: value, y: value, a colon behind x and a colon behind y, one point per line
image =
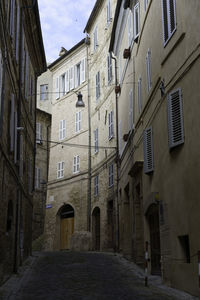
x: 44, y: 93
x: 60, y: 169
x: 96, y: 141
x: 148, y: 150
x: 111, y: 175
x: 62, y: 130
x: 78, y: 121
x: 96, y: 185
x: 76, y: 164
x: 148, y: 70
x: 166, y: 20
x: 136, y: 20
x: 110, y: 125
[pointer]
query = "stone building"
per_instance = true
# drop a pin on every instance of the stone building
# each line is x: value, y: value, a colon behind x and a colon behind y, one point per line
x: 22, y: 59
x: 158, y: 52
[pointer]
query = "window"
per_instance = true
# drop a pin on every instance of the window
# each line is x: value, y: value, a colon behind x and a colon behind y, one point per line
x: 140, y: 95
x: 148, y: 151
x: 136, y: 18
x: 169, y: 19
x: 57, y: 88
x: 95, y: 39
x: 62, y: 85
x: 110, y: 126
x: 175, y: 119
x: 96, y: 185
x: 62, y: 130
x: 38, y: 133
x: 67, y: 81
x: 78, y: 121
x: 108, y: 10
x: 44, y: 92
x: 148, y: 68
x: 37, y: 177
x: 145, y: 4
x: 76, y: 166
x: 60, y: 171
x: 130, y: 110
x: 111, y: 175
x: 96, y: 141
x: 109, y: 61
x: 97, y: 85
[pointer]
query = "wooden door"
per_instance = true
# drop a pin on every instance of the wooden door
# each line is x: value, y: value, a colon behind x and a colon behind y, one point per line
x: 66, y: 230
x: 153, y: 217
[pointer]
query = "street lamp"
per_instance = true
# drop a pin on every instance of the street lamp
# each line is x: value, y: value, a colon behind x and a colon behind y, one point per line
x: 80, y: 102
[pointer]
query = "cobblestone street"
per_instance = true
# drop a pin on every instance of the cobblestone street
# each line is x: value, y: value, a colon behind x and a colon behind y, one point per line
x: 83, y: 276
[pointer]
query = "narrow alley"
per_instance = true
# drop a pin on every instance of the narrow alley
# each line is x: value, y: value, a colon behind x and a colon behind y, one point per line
x: 78, y: 276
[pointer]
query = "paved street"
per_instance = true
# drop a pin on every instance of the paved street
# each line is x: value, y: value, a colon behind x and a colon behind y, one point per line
x: 83, y: 276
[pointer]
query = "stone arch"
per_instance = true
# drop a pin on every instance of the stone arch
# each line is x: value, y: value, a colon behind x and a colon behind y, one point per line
x: 96, y: 228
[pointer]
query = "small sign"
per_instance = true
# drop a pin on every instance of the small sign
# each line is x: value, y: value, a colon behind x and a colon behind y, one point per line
x: 49, y: 206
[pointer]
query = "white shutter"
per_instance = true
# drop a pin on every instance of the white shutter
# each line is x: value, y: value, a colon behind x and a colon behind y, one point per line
x: 60, y: 130
x: 21, y: 156
x: 131, y: 110
x: 60, y: 86
x: 148, y: 69
x: 129, y: 30
x: 175, y: 119
x: 64, y: 129
x: 148, y: 151
x: 67, y: 81
x: 78, y: 163
x: 71, y: 78
x: 12, y: 123
x: 136, y: 13
x: 139, y: 95
x: 83, y: 68
x: 57, y: 88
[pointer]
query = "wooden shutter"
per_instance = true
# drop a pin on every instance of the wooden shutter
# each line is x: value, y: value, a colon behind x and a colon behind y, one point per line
x: 169, y: 19
x: 148, y: 151
x: 67, y: 81
x: 57, y: 88
x: 175, y: 119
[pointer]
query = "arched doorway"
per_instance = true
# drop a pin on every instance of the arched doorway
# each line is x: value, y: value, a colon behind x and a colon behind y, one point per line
x: 66, y: 226
x: 96, y: 228
x: 154, y: 228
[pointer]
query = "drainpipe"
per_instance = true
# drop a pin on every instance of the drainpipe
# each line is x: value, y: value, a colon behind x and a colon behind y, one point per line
x: 117, y: 158
x: 89, y: 151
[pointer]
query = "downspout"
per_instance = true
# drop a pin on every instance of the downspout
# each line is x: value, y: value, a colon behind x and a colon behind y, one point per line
x: 117, y: 157
x: 89, y: 151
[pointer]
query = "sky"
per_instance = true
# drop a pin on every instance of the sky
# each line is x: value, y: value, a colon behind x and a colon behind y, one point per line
x: 63, y: 22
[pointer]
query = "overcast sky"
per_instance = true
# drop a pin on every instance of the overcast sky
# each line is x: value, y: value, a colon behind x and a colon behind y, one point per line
x: 63, y: 22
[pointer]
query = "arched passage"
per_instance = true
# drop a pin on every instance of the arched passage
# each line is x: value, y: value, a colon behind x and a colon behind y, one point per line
x: 96, y: 228
x: 66, y: 226
x: 154, y: 229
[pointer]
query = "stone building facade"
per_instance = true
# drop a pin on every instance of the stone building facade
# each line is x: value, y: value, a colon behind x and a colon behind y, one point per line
x: 22, y: 59
x: 157, y: 51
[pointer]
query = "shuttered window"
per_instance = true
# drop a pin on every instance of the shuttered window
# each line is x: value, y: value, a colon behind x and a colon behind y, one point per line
x: 169, y: 19
x: 62, y: 130
x: 38, y: 133
x: 136, y: 19
x: 96, y: 185
x: 110, y: 126
x: 130, y: 27
x: 148, y: 70
x: 111, y: 175
x: 37, y: 177
x: 83, y: 68
x: 96, y: 141
x: 97, y: 85
x: 130, y: 119
x: 76, y: 164
x: 78, y: 121
x: 60, y: 171
x: 139, y: 95
x: 57, y: 88
x: 109, y: 65
x: 95, y: 39
x: 62, y: 85
x: 67, y: 81
x: 175, y: 119
x: 71, y: 78
x: 148, y: 151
